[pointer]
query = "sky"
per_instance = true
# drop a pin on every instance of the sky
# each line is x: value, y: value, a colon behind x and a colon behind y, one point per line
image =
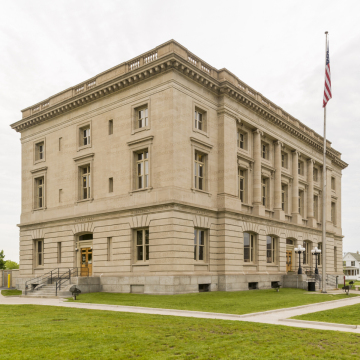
x: 276, y: 47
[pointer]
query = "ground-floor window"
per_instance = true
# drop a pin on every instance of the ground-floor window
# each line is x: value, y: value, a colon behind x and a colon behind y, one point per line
x: 270, y: 249
x: 142, y: 245
x: 199, y: 245
x: 249, y: 247
x: 307, y: 252
x: 39, y: 248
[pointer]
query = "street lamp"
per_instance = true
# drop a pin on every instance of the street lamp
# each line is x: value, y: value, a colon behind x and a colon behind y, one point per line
x: 299, y: 250
x: 316, y: 252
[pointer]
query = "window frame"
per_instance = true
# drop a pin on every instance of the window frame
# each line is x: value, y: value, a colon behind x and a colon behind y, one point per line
x: 265, y: 151
x: 333, y: 213
x: 39, y: 254
x: 307, y: 253
x: 144, y: 164
x: 315, y: 174
x: 284, y: 197
x: 109, y: 248
x: 284, y: 160
x: 37, y: 174
x: 265, y: 191
x: 301, y: 168
x: 316, y: 207
x: 136, y: 147
x: 319, y: 256
x: 301, y: 202
x: 36, y: 152
x: 81, y: 162
x: 333, y: 183
x: 200, y: 108
x: 86, y: 125
x: 111, y: 127
x: 242, y: 139
x: 242, y: 190
x: 198, y: 246
x: 140, y: 105
x: 59, y: 252
x: 144, y: 246
x: 273, y: 249
x: 252, y: 248
x: 111, y: 185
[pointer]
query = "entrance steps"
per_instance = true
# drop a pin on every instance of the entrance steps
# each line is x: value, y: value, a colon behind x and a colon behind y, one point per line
x: 48, y: 291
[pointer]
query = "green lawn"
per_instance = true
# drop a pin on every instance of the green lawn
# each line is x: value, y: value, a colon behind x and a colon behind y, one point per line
x: 344, y: 315
x: 11, y: 292
x: 44, y: 332
x: 239, y: 302
x: 347, y: 283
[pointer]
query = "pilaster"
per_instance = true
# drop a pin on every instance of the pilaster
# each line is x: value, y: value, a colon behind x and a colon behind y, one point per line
x: 278, y: 212
x: 296, y: 217
x: 310, y: 194
x: 258, y: 208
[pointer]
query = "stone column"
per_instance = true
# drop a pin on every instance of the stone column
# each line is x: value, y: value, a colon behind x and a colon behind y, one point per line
x: 278, y: 212
x: 310, y: 194
x: 296, y: 217
x: 258, y: 208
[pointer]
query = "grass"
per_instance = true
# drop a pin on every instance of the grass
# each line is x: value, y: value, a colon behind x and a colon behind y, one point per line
x: 45, y: 332
x: 347, y: 283
x: 11, y: 292
x: 240, y: 302
x: 345, y: 315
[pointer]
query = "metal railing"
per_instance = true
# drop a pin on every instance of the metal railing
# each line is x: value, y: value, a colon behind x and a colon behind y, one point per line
x: 42, y: 279
x: 74, y: 272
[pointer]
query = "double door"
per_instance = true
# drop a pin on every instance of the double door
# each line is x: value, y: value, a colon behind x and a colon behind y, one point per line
x: 289, y: 260
x: 86, y: 261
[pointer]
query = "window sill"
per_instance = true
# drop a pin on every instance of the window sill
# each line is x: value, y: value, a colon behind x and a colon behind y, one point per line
x: 84, y: 200
x: 39, y: 209
x: 39, y: 161
x: 272, y: 265
x: 200, y: 191
x: 84, y: 147
x: 139, y: 190
x: 250, y: 264
x: 135, y: 131
x: 200, y: 132
x: 141, y: 264
x: 39, y: 267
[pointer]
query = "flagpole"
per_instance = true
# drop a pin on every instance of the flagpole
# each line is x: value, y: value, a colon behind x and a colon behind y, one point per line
x: 324, y: 194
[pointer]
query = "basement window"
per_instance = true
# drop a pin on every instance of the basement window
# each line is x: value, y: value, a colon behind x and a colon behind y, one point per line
x: 204, y: 287
x: 253, y: 285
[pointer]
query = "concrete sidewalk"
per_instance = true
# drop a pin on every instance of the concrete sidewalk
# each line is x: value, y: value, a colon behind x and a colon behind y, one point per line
x: 275, y: 317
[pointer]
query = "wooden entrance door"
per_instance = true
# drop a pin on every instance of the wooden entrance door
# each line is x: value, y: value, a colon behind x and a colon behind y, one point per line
x: 289, y: 260
x: 86, y: 261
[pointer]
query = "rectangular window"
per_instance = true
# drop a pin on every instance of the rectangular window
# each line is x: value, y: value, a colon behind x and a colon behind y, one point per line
x: 316, y: 207
x: 85, y: 182
x: 300, y: 168
x: 249, y: 247
x: 319, y: 255
x: 60, y: 141
x: 85, y: 135
x: 270, y: 249
x: 335, y: 258
x: 142, y: 117
x: 142, y: 166
x: 39, y: 249
x: 241, y: 182
x: 307, y: 253
x: 199, y: 120
x: 301, y: 203
x: 284, y: 162
x: 111, y: 185
x: 39, y: 192
x: 60, y: 195
x: 109, y: 249
x: 344, y: 263
x: 59, y: 252
x: 265, y: 151
x: 39, y: 151
x: 142, y: 245
x: 333, y: 213
x: 353, y: 263
x: 284, y: 198
x: 332, y: 183
x: 240, y: 140
x: 264, y: 191
x: 315, y: 174
x: 199, y: 171
x: 111, y: 127
x: 199, y: 245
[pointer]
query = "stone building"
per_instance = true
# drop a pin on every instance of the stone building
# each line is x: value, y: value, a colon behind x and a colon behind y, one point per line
x: 165, y: 175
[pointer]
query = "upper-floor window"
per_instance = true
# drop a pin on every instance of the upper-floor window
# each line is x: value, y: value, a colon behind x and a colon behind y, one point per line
x: 300, y: 168
x: 332, y: 183
x: 142, y: 117
x: 142, y: 245
x: 249, y: 247
x: 142, y: 166
x: 270, y: 249
x: 315, y: 174
x: 316, y: 207
x: 199, y: 120
x: 284, y: 198
x: 199, y: 245
x: 241, y: 183
x: 40, y: 151
x: 264, y: 191
x: 111, y: 185
x: 301, y: 203
x: 333, y: 213
x: 85, y: 135
x: 319, y: 256
x: 344, y: 263
x: 199, y: 171
x: 352, y: 263
x: 265, y: 151
x: 242, y: 140
x: 39, y: 192
x: 111, y: 127
x: 307, y: 252
x: 284, y: 160
x: 85, y: 182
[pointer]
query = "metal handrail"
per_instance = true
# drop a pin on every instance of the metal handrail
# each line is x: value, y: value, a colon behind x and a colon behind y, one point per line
x: 67, y: 276
x: 43, y: 278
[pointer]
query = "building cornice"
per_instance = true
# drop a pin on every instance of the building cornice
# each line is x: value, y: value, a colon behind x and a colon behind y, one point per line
x: 172, y: 55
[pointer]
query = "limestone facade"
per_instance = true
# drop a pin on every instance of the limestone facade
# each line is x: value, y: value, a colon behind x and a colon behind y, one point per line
x: 182, y: 174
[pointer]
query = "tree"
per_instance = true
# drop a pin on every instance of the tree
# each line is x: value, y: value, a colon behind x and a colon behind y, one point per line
x: 9, y: 265
x: 2, y: 261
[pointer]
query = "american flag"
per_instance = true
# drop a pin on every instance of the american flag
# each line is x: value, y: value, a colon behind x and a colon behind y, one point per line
x: 327, y: 87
